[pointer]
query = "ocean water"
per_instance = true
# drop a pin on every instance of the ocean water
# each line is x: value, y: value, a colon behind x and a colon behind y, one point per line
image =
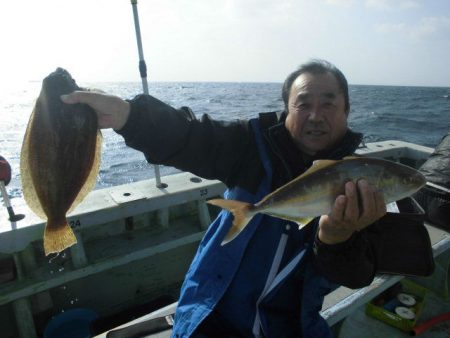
x: 413, y: 114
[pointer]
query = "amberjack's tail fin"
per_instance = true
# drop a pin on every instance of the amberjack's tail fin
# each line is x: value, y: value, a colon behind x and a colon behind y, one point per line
x: 242, y: 212
x: 58, y: 237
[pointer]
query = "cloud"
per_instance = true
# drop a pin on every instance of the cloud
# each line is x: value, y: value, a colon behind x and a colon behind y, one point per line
x: 430, y: 26
x: 344, y: 3
x: 424, y: 29
x: 384, y: 5
x: 378, y: 4
x: 409, y: 4
x: 387, y: 28
x: 391, y: 4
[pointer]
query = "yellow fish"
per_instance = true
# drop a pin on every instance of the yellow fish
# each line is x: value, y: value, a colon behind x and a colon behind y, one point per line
x: 313, y: 193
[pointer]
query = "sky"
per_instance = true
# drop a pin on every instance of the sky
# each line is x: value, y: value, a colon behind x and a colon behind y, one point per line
x: 384, y: 42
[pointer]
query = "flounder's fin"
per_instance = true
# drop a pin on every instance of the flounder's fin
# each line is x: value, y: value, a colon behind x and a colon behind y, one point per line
x: 29, y: 192
x: 242, y: 213
x: 58, y: 238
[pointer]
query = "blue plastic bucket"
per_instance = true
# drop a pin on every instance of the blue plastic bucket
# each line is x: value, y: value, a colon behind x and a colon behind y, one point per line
x: 74, y: 323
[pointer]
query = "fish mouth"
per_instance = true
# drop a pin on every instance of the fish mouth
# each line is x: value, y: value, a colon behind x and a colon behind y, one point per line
x: 419, y: 180
x: 59, y: 81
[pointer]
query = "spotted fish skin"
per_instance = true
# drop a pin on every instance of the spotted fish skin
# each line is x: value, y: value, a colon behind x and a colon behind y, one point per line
x: 60, y: 158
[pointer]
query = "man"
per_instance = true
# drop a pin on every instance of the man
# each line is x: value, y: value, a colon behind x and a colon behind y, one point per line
x: 270, y: 281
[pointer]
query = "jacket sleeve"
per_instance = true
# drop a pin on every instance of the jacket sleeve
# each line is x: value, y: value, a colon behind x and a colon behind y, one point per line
x: 351, y: 263
x: 173, y: 137
x: 398, y: 243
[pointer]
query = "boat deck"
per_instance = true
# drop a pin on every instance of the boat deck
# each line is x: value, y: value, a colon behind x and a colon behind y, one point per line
x: 342, y: 302
x: 143, y: 237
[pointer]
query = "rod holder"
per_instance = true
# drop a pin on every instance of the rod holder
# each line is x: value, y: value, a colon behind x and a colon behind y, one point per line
x: 12, y: 216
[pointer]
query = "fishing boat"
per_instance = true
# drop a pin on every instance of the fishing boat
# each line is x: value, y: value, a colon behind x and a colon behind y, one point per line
x: 134, y: 245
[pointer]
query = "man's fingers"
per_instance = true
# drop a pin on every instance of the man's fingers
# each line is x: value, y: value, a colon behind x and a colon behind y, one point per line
x: 351, y: 213
x: 381, y: 204
x: 80, y: 97
x: 368, y: 199
x: 112, y: 111
x: 338, y: 211
x: 361, y: 205
x: 70, y: 98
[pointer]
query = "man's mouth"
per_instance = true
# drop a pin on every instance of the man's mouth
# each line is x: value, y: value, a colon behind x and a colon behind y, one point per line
x: 315, y: 132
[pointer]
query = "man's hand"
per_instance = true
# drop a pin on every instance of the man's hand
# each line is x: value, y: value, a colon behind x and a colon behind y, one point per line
x: 112, y: 111
x: 361, y: 205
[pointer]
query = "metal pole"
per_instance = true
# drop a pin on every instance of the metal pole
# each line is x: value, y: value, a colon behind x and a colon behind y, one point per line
x: 12, y: 216
x: 143, y: 72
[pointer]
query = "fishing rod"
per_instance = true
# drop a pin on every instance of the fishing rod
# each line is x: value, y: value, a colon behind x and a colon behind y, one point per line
x: 143, y: 73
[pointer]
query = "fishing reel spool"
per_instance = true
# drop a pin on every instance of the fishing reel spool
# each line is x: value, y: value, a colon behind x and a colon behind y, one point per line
x: 5, y: 178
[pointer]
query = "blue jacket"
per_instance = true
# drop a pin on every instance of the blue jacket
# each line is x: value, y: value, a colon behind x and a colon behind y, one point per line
x: 251, y: 280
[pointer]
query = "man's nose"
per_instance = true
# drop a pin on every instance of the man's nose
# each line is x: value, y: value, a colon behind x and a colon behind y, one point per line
x: 316, y: 114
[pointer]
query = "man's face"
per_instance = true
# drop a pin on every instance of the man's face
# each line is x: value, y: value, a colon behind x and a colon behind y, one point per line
x: 317, y: 118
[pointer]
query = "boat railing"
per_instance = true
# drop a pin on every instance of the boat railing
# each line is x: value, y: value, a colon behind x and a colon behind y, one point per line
x: 114, y: 227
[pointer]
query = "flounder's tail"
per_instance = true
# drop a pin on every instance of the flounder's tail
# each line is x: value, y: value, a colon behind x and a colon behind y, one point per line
x: 58, y: 237
x: 242, y: 212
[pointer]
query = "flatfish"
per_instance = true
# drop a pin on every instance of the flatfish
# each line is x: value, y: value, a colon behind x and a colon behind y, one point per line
x: 60, y: 158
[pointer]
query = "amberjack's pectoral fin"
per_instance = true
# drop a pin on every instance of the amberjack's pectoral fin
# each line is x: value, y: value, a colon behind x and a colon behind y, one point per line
x: 302, y: 222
